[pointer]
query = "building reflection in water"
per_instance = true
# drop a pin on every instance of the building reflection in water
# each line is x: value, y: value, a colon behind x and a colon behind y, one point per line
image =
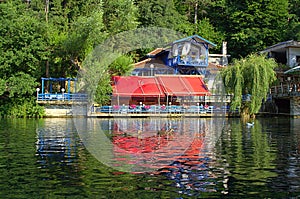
x: 55, y: 142
x: 180, y: 149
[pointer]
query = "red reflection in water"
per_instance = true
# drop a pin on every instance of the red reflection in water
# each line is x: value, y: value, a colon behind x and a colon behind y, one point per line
x: 156, y: 149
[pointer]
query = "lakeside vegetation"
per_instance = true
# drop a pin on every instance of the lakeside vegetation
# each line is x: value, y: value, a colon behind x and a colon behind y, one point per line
x: 250, y: 78
x: 52, y: 38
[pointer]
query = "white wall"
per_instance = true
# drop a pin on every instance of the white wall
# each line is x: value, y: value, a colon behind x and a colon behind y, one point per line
x: 291, y: 56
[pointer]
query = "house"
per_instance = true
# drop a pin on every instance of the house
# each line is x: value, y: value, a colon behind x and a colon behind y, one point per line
x: 287, y: 53
x: 286, y: 93
x: 175, y: 62
x: 187, y: 56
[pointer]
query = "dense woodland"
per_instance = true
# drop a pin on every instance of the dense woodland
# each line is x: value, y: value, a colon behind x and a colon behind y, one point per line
x: 43, y: 38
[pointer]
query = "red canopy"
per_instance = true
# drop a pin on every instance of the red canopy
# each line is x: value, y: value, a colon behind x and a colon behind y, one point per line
x: 159, y: 86
x: 137, y: 86
x: 183, y: 85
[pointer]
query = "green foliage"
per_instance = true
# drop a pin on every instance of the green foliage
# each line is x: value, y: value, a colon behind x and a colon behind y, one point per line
x: 21, y: 109
x: 161, y: 14
x: 2, y: 86
x: 22, y: 41
x: 120, y: 15
x: 72, y: 30
x: 21, y: 85
x: 102, y: 94
x: 250, y: 76
x: 86, y: 32
x: 293, y: 30
x: 209, y: 32
x: 251, y: 25
x: 121, y: 66
x: 23, y: 45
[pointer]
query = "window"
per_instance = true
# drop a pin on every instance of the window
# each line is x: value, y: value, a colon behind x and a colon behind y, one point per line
x: 297, y: 60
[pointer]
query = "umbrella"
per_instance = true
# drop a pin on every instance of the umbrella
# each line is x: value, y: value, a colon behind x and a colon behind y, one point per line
x: 292, y: 70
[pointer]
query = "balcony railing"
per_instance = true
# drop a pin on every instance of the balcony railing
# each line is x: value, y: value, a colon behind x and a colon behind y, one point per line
x: 285, y: 90
x: 157, y: 109
x: 62, y: 97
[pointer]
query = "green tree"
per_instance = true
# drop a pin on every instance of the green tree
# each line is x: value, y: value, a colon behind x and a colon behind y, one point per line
x: 103, y: 91
x: 121, y: 66
x: 206, y: 30
x: 193, y: 9
x: 85, y: 33
x: 120, y: 15
x: 22, y: 49
x: 162, y: 13
x: 250, y: 25
x: 250, y: 76
x: 97, y: 74
x: 69, y: 27
x: 293, y: 30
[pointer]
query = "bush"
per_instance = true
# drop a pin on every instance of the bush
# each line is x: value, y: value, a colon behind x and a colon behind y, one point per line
x: 23, y: 109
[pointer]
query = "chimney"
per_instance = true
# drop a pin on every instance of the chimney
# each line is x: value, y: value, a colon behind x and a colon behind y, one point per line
x: 224, y: 48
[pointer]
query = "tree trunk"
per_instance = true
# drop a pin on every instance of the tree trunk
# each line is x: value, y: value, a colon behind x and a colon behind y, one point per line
x: 196, y: 13
x: 245, y: 116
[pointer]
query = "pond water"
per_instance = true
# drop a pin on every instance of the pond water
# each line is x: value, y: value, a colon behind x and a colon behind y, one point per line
x: 149, y: 158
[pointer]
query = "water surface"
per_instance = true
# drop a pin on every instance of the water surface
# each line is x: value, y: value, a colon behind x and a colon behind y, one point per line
x: 47, y: 158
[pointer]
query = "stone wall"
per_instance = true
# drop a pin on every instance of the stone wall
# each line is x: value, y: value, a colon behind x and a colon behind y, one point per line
x: 65, y: 110
x: 58, y: 112
x: 295, y: 106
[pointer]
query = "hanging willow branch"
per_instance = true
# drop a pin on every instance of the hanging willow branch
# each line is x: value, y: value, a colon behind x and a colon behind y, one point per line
x: 250, y: 76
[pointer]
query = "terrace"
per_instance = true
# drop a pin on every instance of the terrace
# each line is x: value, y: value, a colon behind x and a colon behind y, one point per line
x: 161, y: 111
x: 59, y: 91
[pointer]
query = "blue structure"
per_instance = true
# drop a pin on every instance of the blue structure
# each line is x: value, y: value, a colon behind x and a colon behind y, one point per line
x: 190, y: 51
x: 187, y: 56
x: 56, y: 92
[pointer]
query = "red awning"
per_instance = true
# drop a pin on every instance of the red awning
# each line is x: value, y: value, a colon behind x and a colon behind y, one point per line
x: 183, y: 85
x: 196, y: 85
x: 159, y: 86
x: 136, y: 86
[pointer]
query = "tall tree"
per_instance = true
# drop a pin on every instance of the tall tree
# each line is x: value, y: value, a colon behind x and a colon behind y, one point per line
x: 293, y: 30
x: 162, y: 13
x: 85, y: 33
x: 194, y: 9
x: 251, y: 25
x: 206, y: 30
x: 120, y: 15
x: 250, y: 77
x: 22, y: 49
x: 61, y: 18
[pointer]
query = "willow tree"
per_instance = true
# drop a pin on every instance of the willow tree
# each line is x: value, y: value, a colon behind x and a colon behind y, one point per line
x: 249, y: 80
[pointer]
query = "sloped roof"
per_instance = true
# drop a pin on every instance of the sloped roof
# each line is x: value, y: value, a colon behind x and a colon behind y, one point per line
x: 159, y: 86
x: 196, y: 38
x: 136, y: 86
x: 155, y: 51
x: 183, y: 85
x: 282, y: 45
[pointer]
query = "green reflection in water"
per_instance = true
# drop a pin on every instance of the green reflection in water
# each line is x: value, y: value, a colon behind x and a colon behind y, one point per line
x: 28, y: 173
x: 249, y: 157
